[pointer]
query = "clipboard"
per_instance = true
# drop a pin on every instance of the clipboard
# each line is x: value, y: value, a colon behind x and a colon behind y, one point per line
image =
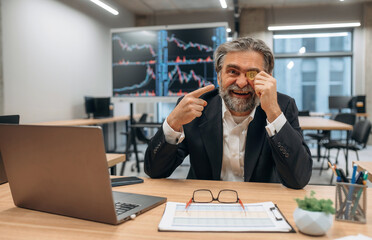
x: 205, y: 217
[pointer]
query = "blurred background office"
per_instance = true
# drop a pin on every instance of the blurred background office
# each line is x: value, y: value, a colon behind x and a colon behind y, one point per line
x: 55, y: 52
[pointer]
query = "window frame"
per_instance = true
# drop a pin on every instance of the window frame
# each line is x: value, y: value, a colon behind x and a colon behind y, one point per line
x: 329, y: 54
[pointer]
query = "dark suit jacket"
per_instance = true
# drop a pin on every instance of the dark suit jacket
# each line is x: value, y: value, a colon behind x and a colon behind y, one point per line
x: 283, y: 158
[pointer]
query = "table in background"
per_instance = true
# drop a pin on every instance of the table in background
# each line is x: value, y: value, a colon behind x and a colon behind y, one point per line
x: 365, y: 166
x: 322, y: 114
x: 86, y: 121
x: 318, y: 123
x: 113, y: 159
x: 96, y: 121
x: 93, y: 121
x: 18, y: 223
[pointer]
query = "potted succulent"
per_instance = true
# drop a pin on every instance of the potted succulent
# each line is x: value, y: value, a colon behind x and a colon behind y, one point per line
x: 313, y: 216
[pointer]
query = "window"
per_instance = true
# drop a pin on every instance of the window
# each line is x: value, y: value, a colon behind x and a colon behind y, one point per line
x: 310, y: 66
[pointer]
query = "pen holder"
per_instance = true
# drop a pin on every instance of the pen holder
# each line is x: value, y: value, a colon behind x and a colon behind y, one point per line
x: 351, y: 202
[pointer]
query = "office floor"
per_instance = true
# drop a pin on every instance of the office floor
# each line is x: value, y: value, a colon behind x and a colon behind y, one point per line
x: 318, y: 179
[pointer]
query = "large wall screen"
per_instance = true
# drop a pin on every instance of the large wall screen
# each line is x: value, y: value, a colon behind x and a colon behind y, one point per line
x: 168, y: 61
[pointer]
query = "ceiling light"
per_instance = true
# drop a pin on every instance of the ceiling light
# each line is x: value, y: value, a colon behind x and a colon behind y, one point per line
x: 314, y: 26
x: 228, y: 30
x: 105, y: 6
x: 310, y: 35
x: 302, y: 50
x: 223, y: 3
x: 290, y: 65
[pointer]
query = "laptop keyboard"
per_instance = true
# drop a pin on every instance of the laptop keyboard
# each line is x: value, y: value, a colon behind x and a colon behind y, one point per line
x: 124, y: 207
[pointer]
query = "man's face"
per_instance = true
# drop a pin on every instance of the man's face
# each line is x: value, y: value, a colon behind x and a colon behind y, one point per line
x: 235, y: 89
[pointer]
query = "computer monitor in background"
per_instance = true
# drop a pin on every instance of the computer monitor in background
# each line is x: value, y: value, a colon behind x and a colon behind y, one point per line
x: 98, y: 107
x: 6, y: 119
x: 89, y: 106
x: 101, y: 107
x: 358, y: 104
x: 339, y: 102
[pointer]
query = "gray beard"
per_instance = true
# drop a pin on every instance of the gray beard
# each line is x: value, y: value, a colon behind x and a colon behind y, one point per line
x: 238, y: 104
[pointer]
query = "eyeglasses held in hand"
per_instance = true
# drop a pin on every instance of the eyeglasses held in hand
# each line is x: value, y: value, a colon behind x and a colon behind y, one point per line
x: 206, y: 196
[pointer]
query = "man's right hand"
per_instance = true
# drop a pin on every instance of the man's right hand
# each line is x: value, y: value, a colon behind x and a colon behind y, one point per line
x: 189, y: 108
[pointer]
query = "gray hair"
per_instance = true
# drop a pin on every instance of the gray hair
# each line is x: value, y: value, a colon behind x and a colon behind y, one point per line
x: 244, y: 44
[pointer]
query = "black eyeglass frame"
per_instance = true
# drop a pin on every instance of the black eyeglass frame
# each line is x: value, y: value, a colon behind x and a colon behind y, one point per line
x: 218, y: 196
x: 215, y: 199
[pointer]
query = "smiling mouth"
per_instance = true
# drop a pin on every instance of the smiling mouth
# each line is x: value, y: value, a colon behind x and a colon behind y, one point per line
x: 241, y: 93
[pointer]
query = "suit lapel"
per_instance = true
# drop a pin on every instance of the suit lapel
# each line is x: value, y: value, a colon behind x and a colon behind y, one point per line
x: 211, y: 133
x: 254, y: 142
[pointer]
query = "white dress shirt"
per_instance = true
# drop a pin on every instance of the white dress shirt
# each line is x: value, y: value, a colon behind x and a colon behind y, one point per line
x: 234, y: 138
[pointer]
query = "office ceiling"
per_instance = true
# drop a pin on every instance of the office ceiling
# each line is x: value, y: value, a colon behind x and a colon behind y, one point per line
x: 149, y: 7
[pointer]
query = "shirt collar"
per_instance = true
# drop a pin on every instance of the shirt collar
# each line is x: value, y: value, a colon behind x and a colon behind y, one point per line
x: 227, y: 114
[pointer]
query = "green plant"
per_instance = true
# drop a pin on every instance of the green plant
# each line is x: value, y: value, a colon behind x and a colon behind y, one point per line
x: 315, y: 205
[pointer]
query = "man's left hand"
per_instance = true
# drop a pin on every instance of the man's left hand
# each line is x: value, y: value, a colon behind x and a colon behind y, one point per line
x: 265, y: 88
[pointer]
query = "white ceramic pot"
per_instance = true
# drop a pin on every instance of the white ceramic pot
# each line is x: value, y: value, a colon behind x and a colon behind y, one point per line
x: 312, y: 223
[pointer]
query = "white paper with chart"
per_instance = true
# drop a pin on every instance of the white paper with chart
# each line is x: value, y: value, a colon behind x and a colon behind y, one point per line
x: 257, y: 217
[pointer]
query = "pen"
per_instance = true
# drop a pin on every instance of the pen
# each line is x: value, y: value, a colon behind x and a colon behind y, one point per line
x: 354, y: 173
x: 359, y: 178
x: 342, y: 203
x: 333, y: 169
x: 356, y: 203
x: 343, y: 176
x: 350, y: 194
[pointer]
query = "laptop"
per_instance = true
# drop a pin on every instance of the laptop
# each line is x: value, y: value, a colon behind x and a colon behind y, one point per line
x: 63, y: 170
x: 9, y: 119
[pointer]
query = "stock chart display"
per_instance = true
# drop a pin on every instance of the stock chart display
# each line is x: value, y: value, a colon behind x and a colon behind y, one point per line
x: 134, y: 61
x: 164, y: 62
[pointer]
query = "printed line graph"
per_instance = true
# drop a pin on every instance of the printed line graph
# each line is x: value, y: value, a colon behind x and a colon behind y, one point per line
x: 185, y: 46
x: 125, y: 62
x: 130, y: 48
x: 183, y: 60
x: 144, y: 88
x: 186, y: 78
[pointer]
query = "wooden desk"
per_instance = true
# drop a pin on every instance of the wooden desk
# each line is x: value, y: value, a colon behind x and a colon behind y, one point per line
x: 18, y: 223
x: 114, y: 158
x: 318, y: 123
x: 365, y: 166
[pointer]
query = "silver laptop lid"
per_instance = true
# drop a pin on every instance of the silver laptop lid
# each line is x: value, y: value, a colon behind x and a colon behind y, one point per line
x: 60, y: 170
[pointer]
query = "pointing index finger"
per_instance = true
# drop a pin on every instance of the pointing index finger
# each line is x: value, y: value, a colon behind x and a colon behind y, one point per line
x: 198, y: 92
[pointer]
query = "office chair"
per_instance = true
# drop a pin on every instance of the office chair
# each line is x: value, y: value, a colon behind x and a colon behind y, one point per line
x: 141, y: 136
x: 325, y: 136
x: 134, y: 134
x: 304, y: 113
x: 359, y: 138
x: 128, y: 149
x: 140, y: 131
